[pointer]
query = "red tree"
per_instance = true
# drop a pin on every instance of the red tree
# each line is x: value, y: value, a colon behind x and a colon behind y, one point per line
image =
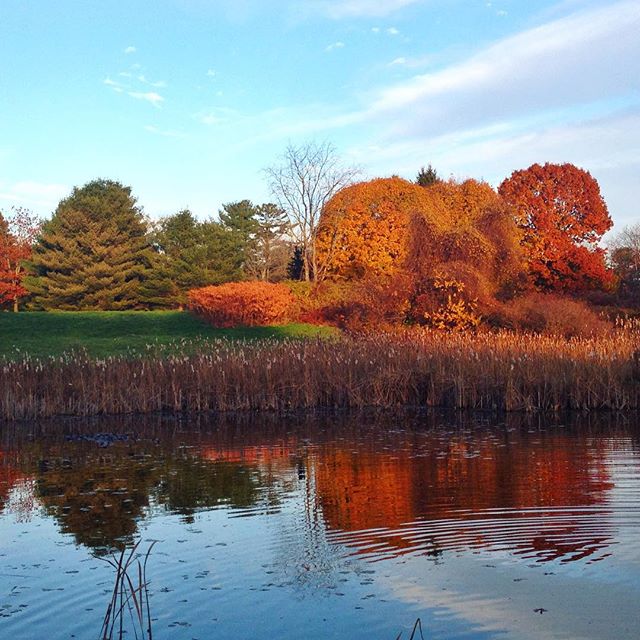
x: 562, y: 216
x: 17, y: 235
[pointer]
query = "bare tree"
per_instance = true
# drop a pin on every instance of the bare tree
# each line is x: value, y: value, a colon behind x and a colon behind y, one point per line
x: 624, y: 256
x: 306, y: 178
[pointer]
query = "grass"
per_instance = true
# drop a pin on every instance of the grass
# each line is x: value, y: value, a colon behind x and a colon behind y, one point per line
x: 102, y: 334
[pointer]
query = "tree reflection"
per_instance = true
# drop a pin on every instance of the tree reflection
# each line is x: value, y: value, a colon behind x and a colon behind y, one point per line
x: 430, y: 494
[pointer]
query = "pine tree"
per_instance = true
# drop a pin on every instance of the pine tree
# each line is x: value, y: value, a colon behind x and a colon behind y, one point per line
x: 271, y: 251
x: 427, y: 177
x: 94, y: 253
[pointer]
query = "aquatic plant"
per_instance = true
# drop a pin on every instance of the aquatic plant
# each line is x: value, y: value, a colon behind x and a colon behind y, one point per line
x: 128, y: 598
x: 418, y: 368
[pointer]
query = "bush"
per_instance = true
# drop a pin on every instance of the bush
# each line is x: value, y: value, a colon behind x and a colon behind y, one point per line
x: 242, y: 303
x: 551, y: 314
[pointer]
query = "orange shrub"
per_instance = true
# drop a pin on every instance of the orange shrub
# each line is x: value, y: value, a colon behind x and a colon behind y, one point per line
x: 550, y: 314
x: 242, y: 303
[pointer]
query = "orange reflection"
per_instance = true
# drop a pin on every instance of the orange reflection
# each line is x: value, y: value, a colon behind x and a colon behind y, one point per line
x: 536, y: 498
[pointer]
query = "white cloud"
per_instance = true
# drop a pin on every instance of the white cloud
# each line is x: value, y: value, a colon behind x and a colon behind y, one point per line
x: 158, y: 84
x: 31, y: 193
x: 211, y: 73
x: 392, y: 31
x: 150, y: 96
x: 110, y: 83
x: 335, y: 45
x: 398, y: 61
x: 130, y: 50
x: 540, y: 68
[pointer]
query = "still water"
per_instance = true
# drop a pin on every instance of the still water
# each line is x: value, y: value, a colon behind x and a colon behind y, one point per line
x: 347, y: 526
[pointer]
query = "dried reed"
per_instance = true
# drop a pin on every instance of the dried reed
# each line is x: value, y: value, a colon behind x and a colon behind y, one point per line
x: 504, y: 371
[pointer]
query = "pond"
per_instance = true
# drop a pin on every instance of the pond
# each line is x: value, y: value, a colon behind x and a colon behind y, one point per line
x: 328, y: 526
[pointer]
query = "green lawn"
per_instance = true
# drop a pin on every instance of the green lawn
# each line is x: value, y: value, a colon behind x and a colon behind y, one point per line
x: 104, y: 333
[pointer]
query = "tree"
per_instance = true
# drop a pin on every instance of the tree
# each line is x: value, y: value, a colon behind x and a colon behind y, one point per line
x: 363, y: 230
x: 180, y: 256
x: 562, y: 216
x: 17, y: 235
x: 307, y: 177
x: 427, y: 177
x: 94, y: 252
x: 443, y: 251
x: 295, y: 266
x: 624, y: 254
x: 238, y: 219
x: 271, y: 251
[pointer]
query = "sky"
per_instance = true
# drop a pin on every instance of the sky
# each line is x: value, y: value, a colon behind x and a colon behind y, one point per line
x: 187, y: 101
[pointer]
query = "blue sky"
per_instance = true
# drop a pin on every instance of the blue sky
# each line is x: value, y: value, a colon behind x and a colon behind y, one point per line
x: 188, y: 100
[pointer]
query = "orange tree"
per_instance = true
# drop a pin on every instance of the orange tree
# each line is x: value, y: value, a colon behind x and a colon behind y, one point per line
x: 562, y: 215
x: 363, y: 228
x: 17, y: 235
x: 445, y: 248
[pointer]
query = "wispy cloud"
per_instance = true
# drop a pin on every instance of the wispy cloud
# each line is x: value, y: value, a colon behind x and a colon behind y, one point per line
x: 159, y: 84
x: 335, y: 45
x: 212, y: 73
x: 129, y: 50
x: 149, y: 96
x: 507, y: 77
x: 33, y: 193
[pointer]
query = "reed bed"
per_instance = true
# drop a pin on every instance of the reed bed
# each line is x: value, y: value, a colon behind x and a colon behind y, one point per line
x: 502, y: 371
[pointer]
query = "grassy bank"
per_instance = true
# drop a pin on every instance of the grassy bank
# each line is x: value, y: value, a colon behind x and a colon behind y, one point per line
x: 503, y: 372
x: 113, y: 333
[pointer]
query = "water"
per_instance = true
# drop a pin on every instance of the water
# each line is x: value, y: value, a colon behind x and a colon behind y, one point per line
x: 326, y: 527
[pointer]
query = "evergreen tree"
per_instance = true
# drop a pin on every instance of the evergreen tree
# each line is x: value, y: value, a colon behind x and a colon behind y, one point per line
x: 427, y: 177
x: 238, y: 219
x: 94, y: 253
x: 295, y: 268
x: 271, y: 247
x: 180, y: 256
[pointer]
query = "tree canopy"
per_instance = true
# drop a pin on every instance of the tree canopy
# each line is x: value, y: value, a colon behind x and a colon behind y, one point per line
x: 562, y: 215
x: 94, y: 252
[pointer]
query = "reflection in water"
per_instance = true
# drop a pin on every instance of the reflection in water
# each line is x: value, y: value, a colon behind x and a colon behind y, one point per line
x: 335, y: 497
x: 376, y: 488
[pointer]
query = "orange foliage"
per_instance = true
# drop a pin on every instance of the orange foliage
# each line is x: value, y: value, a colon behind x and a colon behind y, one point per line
x: 363, y: 228
x: 242, y: 303
x: 551, y: 314
x: 395, y: 235
x: 16, y: 240
x: 562, y: 215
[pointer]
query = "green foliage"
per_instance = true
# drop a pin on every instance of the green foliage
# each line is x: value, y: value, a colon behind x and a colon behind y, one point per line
x: 94, y: 252
x: 271, y: 251
x: 295, y: 267
x: 111, y: 333
x: 427, y: 177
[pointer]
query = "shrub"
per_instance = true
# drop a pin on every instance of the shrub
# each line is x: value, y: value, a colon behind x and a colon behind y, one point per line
x: 551, y: 314
x: 242, y: 303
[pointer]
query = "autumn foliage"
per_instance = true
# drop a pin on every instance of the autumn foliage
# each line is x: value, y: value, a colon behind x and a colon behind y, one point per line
x: 242, y: 303
x: 562, y: 215
x: 445, y: 252
x: 363, y: 228
x: 17, y: 235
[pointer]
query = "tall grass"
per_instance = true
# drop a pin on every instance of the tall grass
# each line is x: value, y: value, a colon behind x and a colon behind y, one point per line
x: 494, y: 371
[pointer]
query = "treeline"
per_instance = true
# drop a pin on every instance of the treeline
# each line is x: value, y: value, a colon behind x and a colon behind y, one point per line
x: 99, y: 251
x: 442, y: 253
